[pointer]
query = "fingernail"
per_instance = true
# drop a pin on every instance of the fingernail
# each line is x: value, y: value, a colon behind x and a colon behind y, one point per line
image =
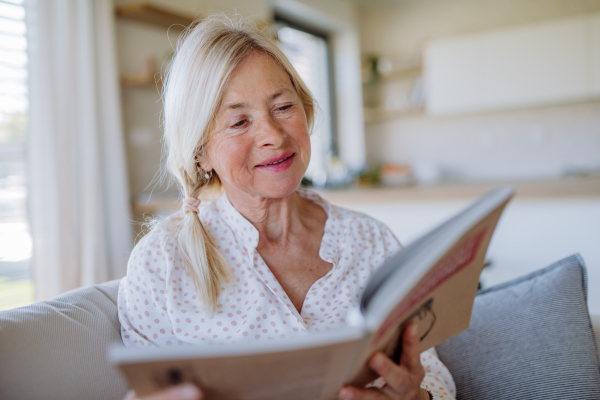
x: 414, y: 331
x: 377, y: 361
x: 188, y: 392
x: 345, y: 394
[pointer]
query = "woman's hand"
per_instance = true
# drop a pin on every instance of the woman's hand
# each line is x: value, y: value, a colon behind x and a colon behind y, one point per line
x: 186, y: 391
x: 402, y: 381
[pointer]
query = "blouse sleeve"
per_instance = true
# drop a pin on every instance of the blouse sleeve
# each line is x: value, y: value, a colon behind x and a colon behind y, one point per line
x: 438, y: 380
x: 390, y: 244
x: 142, y: 305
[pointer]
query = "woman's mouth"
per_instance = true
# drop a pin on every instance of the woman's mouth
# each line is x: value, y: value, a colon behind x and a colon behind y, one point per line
x: 278, y: 165
x: 277, y: 162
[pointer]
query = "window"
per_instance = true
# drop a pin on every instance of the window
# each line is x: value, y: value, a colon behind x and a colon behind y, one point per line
x: 16, y: 287
x: 309, y: 53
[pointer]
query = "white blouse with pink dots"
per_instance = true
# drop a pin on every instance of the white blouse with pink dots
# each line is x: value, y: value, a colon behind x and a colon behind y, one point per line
x: 158, y: 304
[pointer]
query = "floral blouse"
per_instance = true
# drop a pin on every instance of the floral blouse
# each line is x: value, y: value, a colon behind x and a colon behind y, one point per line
x: 158, y: 305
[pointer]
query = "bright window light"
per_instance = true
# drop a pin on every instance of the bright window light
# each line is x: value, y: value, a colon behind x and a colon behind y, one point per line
x: 16, y: 287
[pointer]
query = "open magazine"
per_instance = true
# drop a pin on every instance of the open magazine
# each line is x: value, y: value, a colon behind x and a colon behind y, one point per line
x: 432, y: 281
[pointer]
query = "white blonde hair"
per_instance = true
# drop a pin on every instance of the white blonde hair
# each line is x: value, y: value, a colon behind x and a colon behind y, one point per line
x: 207, y: 53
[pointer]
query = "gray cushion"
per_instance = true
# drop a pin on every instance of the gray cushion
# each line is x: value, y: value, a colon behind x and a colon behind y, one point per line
x: 530, y: 338
x: 57, y: 349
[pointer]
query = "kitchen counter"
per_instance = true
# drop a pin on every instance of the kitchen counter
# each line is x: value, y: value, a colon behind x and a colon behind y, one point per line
x: 565, y: 188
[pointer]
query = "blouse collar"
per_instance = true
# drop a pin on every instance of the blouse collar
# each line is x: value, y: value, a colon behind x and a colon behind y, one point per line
x: 225, y: 211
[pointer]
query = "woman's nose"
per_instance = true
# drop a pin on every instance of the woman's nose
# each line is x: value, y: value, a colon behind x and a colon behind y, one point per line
x: 270, y: 134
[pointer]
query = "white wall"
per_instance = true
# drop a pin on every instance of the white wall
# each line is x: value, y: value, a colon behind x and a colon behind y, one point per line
x: 530, y: 143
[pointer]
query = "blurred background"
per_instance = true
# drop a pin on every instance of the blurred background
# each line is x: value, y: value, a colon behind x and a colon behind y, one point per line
x: 424, y: 105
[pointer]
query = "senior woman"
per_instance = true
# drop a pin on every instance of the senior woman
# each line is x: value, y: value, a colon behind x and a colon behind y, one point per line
x: 260, y: 259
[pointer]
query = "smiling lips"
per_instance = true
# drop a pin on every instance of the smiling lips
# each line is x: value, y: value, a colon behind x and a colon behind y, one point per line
x: 277, y: 164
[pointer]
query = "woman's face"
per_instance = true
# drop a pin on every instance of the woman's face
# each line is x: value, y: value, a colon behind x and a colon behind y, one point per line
x: 260, y: 144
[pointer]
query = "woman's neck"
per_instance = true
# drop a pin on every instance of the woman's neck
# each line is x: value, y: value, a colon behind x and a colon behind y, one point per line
x: 276, y: 220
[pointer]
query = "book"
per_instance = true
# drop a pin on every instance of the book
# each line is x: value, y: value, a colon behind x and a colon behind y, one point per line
x: 432, y: 282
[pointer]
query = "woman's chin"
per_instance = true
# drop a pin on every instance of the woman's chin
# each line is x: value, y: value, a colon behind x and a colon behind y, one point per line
x: 281, y: 191
x: 278, y: 189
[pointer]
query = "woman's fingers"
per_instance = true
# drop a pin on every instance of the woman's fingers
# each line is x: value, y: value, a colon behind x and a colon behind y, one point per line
x: 403, y: 381
x: 411, y: 352
x: 186, y: 391
x: 130, y: 395
x: 354, y: 393
x: 395, y: 375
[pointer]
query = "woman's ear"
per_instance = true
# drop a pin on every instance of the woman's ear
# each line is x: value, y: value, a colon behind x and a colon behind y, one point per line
x: 203, y: 162
x: 205, y: 165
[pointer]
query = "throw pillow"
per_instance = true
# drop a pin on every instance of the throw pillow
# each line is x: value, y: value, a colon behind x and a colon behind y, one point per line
x: 530, y: 338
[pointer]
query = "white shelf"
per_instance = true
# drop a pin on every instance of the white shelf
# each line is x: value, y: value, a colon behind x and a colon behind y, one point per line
x: 154, y: 15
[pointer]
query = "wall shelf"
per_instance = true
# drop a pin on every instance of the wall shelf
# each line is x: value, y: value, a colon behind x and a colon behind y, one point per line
x: 142, y: 81
x: 154, y: 15
x: 148, y: 77
x: 380, y: 114
x: 403, y: 73
x: 392, y: 88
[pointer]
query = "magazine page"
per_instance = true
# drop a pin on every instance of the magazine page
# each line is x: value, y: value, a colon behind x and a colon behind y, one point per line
x: 307, y: 368
x: 441, y: 300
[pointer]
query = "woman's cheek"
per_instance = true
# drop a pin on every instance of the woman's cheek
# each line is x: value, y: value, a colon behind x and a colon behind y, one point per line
x: 236, y: 152
x: 223, y: 154
x: 305, y: 145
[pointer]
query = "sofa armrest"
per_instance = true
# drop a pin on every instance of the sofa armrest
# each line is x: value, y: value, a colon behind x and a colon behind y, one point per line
x: 596, y: 326
x: 57, y: 349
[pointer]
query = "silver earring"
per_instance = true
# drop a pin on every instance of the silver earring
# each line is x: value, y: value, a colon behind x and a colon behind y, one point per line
x: 207, y: 175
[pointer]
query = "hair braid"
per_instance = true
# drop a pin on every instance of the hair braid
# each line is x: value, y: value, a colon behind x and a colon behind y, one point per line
x: 209, y: 269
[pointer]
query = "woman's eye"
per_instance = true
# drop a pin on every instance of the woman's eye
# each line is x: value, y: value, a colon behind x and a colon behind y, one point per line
x: 239, y: 124
x: 284, y: 108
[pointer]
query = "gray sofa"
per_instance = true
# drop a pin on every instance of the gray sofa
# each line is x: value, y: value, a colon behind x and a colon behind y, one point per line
x: 57, y: 349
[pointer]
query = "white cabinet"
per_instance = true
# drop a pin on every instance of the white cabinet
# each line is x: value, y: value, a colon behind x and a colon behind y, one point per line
x: 453, y: 77
x: 544, y: 63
